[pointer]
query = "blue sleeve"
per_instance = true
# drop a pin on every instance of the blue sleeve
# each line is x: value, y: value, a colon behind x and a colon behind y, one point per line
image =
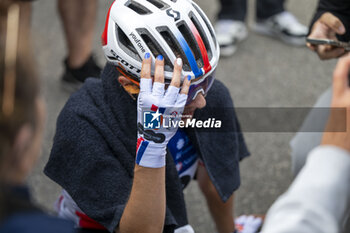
x: 36, y: 223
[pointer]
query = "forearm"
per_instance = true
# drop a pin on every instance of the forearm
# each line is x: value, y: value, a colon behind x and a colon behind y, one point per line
x: 145, y: 209
x: 317, y: 201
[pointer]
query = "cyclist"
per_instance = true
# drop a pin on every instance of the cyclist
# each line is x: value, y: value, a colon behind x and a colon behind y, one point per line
x: 93, y: 155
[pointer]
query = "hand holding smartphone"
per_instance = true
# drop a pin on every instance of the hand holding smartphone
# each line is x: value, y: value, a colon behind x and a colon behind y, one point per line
x: 334, y: 43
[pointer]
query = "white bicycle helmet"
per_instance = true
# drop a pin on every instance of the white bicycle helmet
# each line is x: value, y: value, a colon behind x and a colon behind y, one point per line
x: 171, y: 28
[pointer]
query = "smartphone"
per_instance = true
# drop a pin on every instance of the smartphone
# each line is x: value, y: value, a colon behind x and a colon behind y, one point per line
x: 334, y: 43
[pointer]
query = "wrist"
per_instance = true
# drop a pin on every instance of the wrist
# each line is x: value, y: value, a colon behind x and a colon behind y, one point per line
x: 150, y: 154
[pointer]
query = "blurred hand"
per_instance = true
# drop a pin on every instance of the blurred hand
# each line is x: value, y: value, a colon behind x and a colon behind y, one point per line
x: 338, y: 121
x: 327, y: 27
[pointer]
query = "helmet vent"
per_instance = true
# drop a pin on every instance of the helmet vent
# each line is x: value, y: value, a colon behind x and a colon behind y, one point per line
x: 138, y: 8
x: 191, y: 41
x: 159, y: 4
x: 155, y: 48
x: 126, y: 45
x: 174, y: 46
x: 202, y: 34
x: 206, y: 22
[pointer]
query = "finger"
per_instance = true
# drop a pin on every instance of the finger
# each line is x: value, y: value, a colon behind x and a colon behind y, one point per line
x: 146, y: 81
x: 181, y: 100
x: 311, y: 46
x: 343, y: 54
x: 158, y: 89
x: 171, y: 95
x: 318, y: 31
x: 159, y: 70
x: 335, y: 53
x: 325, y: 53
x: 146, y: 85
x: 321, y: 51
x: 158, y: 85
x: 186, y: 85
x: 182, y: 97
x: 333, y: 22
x: 347, y: 53
x: 176, y: 80
x: 146, y: 66
x: 340, y: 76
x: 328, y: 47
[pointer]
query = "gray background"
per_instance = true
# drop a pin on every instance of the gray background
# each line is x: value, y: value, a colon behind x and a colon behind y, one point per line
x: 263, y: 72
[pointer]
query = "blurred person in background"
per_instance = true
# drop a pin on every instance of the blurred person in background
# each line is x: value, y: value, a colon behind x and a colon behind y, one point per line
x: 318, y: 200
x: 271, y: 19
x: 22, y: 118
x: 331, y: 21
x: 78, y: 21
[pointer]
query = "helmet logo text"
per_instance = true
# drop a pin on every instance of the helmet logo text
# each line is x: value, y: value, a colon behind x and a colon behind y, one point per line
x: 138, y: 42
x: 125, y: 63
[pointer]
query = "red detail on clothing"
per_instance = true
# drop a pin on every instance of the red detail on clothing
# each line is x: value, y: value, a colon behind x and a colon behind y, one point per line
x: 105, y: 31
x: 201, y: 163
x: 139, y: 141
x: 60, y: 199
x: 239, y: 227
x: 154, y: 108
x: 207, y: 66
x: 86, y: 222
x: 58, y: 203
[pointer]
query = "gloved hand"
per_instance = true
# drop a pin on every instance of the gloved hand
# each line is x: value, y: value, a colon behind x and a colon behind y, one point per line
x: 155, y: 104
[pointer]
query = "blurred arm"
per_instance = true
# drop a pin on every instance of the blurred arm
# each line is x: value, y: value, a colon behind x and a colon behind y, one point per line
x: 318, y: 199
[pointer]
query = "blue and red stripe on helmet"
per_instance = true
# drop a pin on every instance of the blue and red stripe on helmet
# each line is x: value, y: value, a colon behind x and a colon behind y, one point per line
x: 207, y: 66
x: 189, y: 55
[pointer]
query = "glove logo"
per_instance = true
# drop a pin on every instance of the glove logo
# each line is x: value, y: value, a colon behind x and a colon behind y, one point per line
x: 174, y: 14
x: 152, y: 120
x: 150, y: 135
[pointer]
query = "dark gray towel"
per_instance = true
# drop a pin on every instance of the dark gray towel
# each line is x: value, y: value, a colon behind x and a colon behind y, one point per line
x: 93, y: 154
x: 220, y: 149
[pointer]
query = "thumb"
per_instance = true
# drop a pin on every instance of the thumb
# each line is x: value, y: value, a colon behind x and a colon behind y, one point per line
x: 333, y: 22
x: 340, y: 76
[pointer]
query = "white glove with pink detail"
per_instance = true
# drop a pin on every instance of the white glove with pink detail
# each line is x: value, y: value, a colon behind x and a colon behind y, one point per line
x: 154, y: 105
